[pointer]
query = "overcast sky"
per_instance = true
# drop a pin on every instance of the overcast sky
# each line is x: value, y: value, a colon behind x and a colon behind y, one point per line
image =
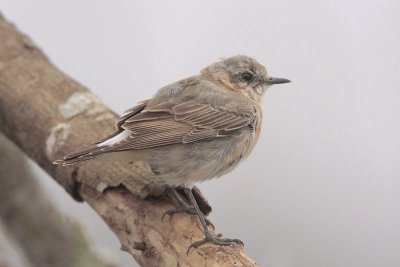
x: 322, y: 186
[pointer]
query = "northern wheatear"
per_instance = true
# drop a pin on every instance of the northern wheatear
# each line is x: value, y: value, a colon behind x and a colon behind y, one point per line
x: 193, y: 130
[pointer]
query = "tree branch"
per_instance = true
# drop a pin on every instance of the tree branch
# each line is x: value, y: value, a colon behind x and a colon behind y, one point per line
x: 48, y: 114
x: 46, y: 238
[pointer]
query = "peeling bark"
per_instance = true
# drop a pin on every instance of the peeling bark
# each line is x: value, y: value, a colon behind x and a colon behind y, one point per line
x: 48, y: 114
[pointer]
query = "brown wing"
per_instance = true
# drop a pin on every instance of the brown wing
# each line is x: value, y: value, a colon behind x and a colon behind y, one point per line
x: 167, y: 124
x: 128, y: 114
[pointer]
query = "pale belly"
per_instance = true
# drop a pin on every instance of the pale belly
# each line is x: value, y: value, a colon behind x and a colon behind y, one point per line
x: 186, y: 164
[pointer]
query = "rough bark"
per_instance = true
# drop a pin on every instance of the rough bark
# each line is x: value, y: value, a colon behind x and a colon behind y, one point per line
x: 48, y: 114
x: 45, y: 236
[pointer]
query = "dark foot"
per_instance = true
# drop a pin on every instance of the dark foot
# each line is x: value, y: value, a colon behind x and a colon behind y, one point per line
x: 217, y: 240
x: 186, y: 209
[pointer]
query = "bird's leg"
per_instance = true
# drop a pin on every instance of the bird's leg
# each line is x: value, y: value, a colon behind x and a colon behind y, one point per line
x: 182, y: 202
x: 183, y: 207
x: 209, y: 237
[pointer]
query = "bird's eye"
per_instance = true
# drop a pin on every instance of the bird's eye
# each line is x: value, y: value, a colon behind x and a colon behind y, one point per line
x: 246, y: 77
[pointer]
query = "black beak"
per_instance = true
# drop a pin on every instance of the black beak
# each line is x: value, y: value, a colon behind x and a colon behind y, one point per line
x: 272, y: 80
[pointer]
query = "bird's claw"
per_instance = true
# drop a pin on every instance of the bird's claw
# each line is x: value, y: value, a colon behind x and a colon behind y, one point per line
x: 189, y: 210
x: 171, y: 212
x: 217, y: 240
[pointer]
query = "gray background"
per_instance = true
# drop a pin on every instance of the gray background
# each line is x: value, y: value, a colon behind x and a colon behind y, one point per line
x: 322, y: 186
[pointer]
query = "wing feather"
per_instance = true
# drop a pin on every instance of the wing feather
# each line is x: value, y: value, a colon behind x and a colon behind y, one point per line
x: 182, y: 123
x: 129, y: 113
x: 179, y: 119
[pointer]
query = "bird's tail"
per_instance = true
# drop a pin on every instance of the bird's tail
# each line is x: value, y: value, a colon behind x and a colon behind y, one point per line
x: 80, y: 156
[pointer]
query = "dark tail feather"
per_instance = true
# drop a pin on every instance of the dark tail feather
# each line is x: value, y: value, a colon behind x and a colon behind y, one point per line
x: 80, y: 156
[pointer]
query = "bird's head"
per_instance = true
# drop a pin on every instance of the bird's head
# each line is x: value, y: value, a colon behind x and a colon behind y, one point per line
x: 243, y: 74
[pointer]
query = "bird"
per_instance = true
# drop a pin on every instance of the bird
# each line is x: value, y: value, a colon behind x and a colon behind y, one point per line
x: 193, y: 130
